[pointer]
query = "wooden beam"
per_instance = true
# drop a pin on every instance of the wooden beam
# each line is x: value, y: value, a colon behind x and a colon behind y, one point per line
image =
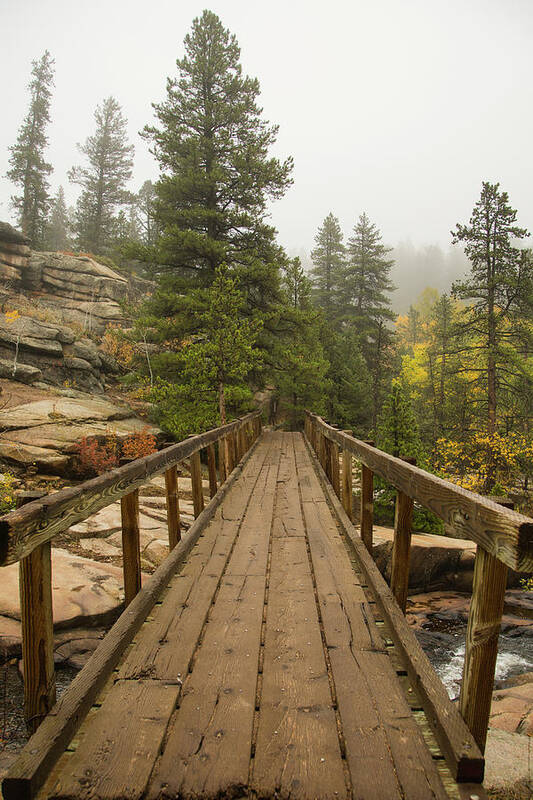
x: 212, y: 467
x: 484, y: 621
x: 335, y: 468
x: 35, y: 584
x: 500, y: 531
x: 197, y: 488
x: 24, y: 529
x: 346, y: 483
x: 131, y: 547
x: 401, y: 549
x: 173, y: 507
x: 367, y: 507
x: 37, y: 628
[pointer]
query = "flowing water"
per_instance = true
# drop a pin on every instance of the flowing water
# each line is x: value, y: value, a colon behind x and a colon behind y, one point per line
x: 447, y: 651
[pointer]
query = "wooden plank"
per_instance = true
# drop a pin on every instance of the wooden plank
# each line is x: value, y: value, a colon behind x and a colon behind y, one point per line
x: 297, y: 751
x: 367, y: 507
x: 24, y: 529
x: 115, y: 757
x: 457, y: 743
x: 197, y: 487
x: 131, y: 552
x: 502, y: 532
x: 385, y: 750
x: 212, y: 468
x: 35, y: 586
x: 207, y: 753
x: 401, y: 549
x: 184, y: 610
x: 346, y: 483
x: 52, y: 737
x: 484, y: 622
x: 173, y: 506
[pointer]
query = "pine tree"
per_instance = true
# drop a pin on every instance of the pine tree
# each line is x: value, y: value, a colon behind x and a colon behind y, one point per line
x: 301, y: 375
x: 397, y: 432
x: 145, y: 201
x: 29, y: 170
x: 58, y: 227
x: 367, y: 305
x: 367, y: 283
x: 103, y: 180
x: 499, y: 294
x: 328, y: 272
x: 216, y: 173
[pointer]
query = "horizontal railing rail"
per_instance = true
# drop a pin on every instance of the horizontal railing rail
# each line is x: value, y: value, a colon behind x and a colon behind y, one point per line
x: 504, y: 539
x: 27, y: 532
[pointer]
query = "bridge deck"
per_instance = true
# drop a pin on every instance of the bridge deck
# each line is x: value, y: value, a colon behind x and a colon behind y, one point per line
x: 262, y: 670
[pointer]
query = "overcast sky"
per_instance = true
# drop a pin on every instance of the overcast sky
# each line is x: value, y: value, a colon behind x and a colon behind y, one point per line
x: 399, y: 108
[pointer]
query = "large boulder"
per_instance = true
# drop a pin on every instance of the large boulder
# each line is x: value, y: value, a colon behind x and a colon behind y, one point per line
x: 46, y: 433
x: 14, y: 254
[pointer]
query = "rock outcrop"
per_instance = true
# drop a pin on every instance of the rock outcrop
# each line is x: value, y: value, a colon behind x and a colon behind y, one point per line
x: 14, y: 255
x: 46, y: 433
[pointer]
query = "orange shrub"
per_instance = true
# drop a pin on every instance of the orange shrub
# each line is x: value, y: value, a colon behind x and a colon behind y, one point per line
x: 139, y: 444
x: 95, y: 456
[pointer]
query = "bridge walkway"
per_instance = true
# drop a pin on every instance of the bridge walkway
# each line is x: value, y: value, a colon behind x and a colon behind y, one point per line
x: 264, y: 670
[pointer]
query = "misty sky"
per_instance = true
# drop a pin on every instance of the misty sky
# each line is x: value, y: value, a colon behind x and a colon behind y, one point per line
x: 399, y: 108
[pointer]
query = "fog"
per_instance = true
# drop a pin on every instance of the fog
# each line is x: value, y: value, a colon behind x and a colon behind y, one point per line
x: 399, y: 109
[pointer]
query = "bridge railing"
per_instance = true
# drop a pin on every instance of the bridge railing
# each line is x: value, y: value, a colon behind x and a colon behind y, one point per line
x: 504, y: 539
x: 27, y: 532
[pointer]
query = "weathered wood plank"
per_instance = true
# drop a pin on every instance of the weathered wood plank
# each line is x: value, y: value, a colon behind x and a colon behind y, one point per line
x: 24, y: 529
x: 116, y: 755
x: 52, y: 737
x: 484, y: 622
x: 131, y: 552
x: 173, y: 507
x: 208, y: 748
x: 504, y: 533
x: 297, y: 749
x: 457, y: 743
x: 35, y: 586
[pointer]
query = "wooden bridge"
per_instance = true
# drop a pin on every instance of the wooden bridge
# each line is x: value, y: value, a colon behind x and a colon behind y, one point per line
x: 266, y: 657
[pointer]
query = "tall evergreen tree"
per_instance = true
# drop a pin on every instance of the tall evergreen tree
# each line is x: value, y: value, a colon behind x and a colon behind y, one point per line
x: 216, y: 173
x: 367, y: 283
x: 367, y: 304
x: 328, y: 270
x: 29, y: 170
x: 103, y: 180
x: 57, y: 229
x: 499, y: 294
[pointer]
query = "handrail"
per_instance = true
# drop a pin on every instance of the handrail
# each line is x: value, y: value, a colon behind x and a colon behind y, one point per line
x: 504, y: 539
x: 24, y: 529
x: 26, y: 534
x: 507, y: 535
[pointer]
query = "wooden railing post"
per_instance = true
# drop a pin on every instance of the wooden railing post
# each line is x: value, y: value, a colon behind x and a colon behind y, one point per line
x: 196, y: 480
x: 222, y: 459
x: 173, y: 507
x: 346, y: 481
x: 35, y: 587
x: 131, y: 548
x: 401, y: 548
x: 334, y: 468
x: 367, y: 505
x: 484, y: 620
x: 212, y: 467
